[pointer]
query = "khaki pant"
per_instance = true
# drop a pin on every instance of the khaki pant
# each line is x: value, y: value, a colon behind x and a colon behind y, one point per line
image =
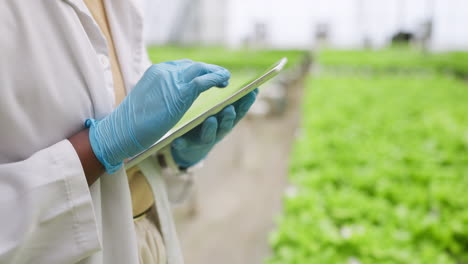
x: 150, y: 243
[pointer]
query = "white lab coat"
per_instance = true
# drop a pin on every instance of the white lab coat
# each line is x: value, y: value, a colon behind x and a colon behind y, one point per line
x: 54, y: 74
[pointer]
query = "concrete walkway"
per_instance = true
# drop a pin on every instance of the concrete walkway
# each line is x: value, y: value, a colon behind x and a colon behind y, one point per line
x: 239, y: 190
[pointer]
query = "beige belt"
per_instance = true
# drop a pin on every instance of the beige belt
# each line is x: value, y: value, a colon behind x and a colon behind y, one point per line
x: 142, y: 196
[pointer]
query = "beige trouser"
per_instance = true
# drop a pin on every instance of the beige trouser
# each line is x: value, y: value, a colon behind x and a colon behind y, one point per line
x: 150, y: 243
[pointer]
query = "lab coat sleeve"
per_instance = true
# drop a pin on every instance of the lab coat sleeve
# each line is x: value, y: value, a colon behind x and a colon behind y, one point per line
x: 46, y: 209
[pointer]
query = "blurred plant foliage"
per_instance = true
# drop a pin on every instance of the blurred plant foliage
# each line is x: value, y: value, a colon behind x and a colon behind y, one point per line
x: 397, y: 59
x: 234, y: 60
x: 380, y: 167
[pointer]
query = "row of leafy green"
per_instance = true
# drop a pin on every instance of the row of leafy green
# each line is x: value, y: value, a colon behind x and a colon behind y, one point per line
x: 232, y: 59
x: 380, y: 169
x: 397, y: 58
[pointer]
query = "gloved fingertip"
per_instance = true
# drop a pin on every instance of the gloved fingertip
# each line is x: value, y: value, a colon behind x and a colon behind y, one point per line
x: 205, y: 82
x: 225, y: 128
x: 225, y: 72
x: 229, y: 112
x: 224, y: 84
x: 247, y: 103
x: 226, y: 121
x: 208, y: 130
x: 210, y: 121
x: 179, y: 143
x: 225, y: 75
x: 256, y: 91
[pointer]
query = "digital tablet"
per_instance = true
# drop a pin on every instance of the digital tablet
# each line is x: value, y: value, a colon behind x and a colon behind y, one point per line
x: 207, y: 104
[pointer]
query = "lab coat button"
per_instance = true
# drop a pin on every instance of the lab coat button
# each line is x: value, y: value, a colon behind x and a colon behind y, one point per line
x: 104, y: 61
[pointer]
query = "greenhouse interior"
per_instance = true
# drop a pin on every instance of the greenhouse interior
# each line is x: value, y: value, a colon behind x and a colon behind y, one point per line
x: 357, y: 153
x: 354, y: 152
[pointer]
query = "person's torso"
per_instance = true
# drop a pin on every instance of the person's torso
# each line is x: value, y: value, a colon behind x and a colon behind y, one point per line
x: 54, y: 74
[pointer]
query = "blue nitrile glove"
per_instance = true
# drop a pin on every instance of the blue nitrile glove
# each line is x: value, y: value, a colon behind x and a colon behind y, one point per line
x: 192, y: 147
x: 155, y: 105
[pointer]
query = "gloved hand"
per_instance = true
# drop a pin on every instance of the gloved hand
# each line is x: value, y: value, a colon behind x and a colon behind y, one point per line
x: 195, y: 145
x: 153, y: 107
